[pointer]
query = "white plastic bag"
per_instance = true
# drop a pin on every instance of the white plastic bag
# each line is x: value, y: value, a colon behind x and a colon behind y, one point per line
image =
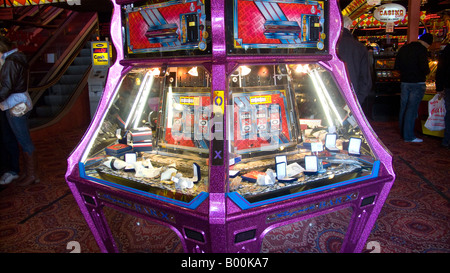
x: 436, y: 114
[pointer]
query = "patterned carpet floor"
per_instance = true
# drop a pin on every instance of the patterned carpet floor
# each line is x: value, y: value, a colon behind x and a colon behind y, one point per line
x: 44, y: 218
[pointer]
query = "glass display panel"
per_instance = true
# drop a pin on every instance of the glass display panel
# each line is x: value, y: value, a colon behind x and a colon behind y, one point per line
x: 385, y: 63
x: 277, y: 27
x: 148, y: 139
x: 136, y: 235
x: 320, y: 234
x: 384, y: 69
x: 167, y: 28
x: 291, y: 131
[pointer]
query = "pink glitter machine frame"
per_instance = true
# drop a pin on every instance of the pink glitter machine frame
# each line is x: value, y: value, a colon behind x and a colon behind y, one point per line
x: 219, y: 220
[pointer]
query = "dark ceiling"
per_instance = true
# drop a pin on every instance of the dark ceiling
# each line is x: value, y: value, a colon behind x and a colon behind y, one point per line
x: 105, y: 6
x: 89, y: 5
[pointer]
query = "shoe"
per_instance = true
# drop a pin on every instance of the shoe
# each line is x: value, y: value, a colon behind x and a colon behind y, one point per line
x: 416, y: 140
x: 30, y: 171
x: 7, y: 178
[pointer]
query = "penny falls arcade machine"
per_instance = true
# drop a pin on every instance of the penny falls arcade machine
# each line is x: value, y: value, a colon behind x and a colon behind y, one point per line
x: 224, y: 120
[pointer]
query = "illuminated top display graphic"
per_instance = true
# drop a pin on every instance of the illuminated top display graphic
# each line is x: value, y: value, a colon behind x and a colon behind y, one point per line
x: 166, y: 27
x: 180, y: 28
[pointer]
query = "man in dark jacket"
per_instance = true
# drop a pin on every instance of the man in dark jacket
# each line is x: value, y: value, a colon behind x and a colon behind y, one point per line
x: 14, y: 74
x: 412, y: 62
x: 9, y: 148
x: 356, y: 58
x: 443, y: 86
x: 14, y: 79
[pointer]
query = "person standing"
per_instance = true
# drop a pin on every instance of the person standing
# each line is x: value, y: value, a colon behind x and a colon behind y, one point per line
x: 356, y: 58
x: 14, y: 80
x: 9, y: 160
x: 443, y: 88
x: 9, y: 156
x: 412, y: 62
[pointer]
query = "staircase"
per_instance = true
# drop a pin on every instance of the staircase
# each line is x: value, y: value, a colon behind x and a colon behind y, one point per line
x: 57, y: 96
x: 55, y: 41
x: 34, y: 25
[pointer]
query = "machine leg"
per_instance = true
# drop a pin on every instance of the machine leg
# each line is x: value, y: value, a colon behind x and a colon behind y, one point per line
x: 359, y: 231
x: 101, y: 231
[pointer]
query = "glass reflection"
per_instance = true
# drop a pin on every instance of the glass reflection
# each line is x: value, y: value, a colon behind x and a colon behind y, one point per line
x: 290, y: 130
x: 148, y: 138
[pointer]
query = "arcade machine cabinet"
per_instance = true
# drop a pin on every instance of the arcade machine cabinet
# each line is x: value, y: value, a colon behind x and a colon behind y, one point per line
x: 384, y: 99
x: 225, y: 120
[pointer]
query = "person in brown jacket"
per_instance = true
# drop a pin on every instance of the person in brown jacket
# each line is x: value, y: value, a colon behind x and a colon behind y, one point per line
x: 14, y: 80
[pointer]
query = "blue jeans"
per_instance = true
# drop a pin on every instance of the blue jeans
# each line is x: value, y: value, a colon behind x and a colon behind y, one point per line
x: 9, y: 148
x: 411, y: 96
x: 19, y: 125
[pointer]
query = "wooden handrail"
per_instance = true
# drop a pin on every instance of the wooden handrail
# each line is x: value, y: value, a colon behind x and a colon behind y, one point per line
x: 50, y: 40
x: 60, y: 67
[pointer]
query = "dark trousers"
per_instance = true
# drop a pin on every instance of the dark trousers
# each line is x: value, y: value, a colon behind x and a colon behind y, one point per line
x: 9, y: 148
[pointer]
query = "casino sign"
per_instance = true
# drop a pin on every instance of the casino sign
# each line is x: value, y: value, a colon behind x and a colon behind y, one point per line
x: 390, y: 13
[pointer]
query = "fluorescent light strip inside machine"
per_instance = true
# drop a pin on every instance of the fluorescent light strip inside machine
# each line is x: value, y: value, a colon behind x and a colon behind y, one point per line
x: 217, y: 130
